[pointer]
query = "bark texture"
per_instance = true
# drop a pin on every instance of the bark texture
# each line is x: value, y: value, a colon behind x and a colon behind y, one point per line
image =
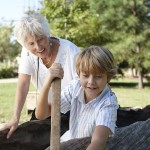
x: 133, y: 137
x: 133, y: 133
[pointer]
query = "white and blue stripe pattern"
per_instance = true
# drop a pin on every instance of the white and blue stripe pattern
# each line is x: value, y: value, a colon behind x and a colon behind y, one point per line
x: 85, y: 117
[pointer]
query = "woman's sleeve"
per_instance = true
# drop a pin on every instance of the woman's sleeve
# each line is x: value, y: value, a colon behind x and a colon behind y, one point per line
x: 74, y: 54
x: 26, y: 64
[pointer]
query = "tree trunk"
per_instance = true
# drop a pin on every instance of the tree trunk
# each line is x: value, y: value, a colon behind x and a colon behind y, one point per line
x: 141, y: 86
x: 133, y: 137
x: 35, y: 135
x: 132, y: 71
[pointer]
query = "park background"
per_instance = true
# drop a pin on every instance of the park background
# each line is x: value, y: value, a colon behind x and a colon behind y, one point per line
x: 123, y: 27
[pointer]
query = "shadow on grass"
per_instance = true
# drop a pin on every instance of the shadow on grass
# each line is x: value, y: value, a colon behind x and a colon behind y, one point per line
x: 130, y: 85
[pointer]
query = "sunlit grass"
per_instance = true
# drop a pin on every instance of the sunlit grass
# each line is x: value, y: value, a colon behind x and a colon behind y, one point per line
x: 132, y: 97
x: 128, y: 96
x: 7, y: 97
x: 7, y: 93
x: 128, y: 93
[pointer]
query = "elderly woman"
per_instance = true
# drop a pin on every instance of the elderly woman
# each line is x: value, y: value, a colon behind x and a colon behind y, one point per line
x: 39, y: 52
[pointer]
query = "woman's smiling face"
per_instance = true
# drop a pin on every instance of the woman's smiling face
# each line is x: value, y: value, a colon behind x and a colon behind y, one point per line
x: 39, y: 46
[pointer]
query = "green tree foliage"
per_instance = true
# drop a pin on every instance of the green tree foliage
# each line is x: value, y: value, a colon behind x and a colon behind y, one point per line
x: 8, y: 49
x: 127, y: 23
x: 122, y: 26
x: 73, y: 20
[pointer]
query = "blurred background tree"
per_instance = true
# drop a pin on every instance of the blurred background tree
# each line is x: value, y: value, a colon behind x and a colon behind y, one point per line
x: 128, y: 25
x: 9, y: 49
x: 122, y: 26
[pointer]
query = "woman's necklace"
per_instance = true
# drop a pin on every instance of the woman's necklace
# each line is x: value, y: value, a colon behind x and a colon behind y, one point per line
x: 48, y: 61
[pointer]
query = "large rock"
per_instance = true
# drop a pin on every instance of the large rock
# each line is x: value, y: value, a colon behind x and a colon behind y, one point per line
x: 35, y: 135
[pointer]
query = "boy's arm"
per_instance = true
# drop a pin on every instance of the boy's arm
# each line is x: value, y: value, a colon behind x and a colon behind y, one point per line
x: 43, y: 109
x: 99, y: 138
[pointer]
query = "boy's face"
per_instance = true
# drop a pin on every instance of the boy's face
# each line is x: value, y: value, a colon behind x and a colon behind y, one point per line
x: 93, y: 85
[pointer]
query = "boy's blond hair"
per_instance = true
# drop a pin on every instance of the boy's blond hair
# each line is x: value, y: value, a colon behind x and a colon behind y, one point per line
x: 95, y: 60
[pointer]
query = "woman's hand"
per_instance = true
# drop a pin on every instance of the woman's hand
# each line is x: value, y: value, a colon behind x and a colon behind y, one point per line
x: 12, y: 126
x: 43, y: 109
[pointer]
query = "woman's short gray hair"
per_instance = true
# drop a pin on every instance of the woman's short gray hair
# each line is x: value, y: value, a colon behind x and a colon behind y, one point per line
x: 34, y: 25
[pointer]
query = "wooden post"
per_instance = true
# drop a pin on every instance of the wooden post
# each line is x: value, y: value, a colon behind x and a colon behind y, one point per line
x: 55, y: 114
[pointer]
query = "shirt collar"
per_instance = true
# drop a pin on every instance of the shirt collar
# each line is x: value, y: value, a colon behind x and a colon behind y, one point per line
x: 103, y: 94
x: 80, y: 95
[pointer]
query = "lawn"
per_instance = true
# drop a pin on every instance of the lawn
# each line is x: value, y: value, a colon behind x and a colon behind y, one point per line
x: 128, y: 93
x: 126, y: 90
x: 132, y: 97
x: 7, y: 96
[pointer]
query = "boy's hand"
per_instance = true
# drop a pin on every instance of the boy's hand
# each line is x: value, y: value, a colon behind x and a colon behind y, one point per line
x: 55, y: 71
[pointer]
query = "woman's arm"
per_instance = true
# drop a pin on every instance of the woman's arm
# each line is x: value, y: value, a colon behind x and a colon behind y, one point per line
x: 21, y: 93
x: 99, y: 138
x: 43, y: 109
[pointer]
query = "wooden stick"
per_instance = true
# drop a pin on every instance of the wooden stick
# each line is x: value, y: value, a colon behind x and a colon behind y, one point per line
x: 55, y: 114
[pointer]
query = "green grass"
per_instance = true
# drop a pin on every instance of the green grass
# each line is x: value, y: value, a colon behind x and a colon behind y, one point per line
x: 7, y: 92
x: 126, y: 90
x: 129, y: 95
x: 7, y: 97
x: 132, y: 97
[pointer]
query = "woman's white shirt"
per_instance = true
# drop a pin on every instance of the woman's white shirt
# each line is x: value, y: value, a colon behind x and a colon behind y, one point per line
x: 66, y: 57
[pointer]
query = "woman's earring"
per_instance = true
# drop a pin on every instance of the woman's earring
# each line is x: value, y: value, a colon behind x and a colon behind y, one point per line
x: 50, y: 44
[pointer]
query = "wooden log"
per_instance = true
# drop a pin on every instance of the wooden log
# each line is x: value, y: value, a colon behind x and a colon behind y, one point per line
x: 55, y: 113
x: 31, y: 135
x: 34, y: 135
x: 129, y: 115
x: 133, y: 137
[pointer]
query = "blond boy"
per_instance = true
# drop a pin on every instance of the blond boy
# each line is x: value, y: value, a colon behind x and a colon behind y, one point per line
x: 92, y: 104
